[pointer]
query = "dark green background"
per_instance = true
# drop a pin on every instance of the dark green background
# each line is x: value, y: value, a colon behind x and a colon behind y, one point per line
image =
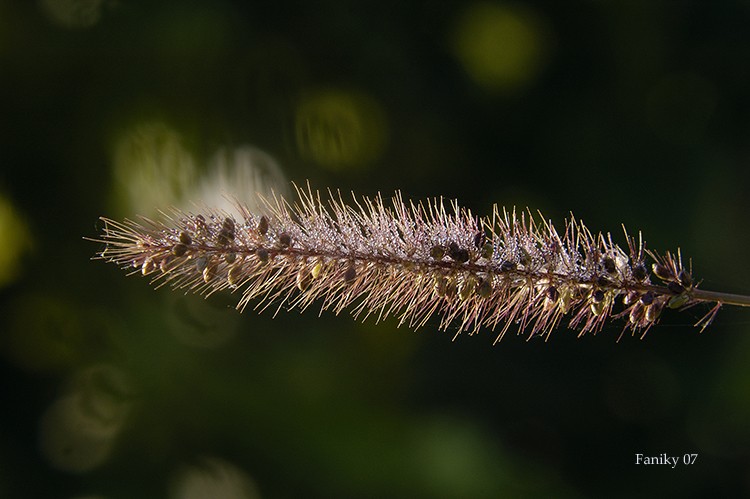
x: 636, y: 112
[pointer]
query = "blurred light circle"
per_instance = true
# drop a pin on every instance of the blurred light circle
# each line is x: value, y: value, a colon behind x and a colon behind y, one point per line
x: 500, y: 47
x: 212, y: 478
x: 77, y: 432
x: 152, y: 168
x: 45, y: 334
x: 72, y: 13
x: 245, y: 174
x: 16, y: 241
x: 340, y: 130
x: 71, y: 440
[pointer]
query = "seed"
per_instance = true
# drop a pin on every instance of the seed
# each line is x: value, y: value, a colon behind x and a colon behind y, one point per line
x: 263, y: 225
x: 350, y: 274
x: 441, y: 285
x: 457, y: 253
x: 685, y: 279
x: 166, y: 264
x: 201, y: 228
x: 597, y: 308
x: 450, y: 290
x: 484, y: 289
x: 552, y: 294
x: 437, y: 252
x: 316, y: 270
x: 630, y: 298
x: 566, y: 299
x: 653, y: 311
x: 304, y: 279
x: 597, y: 296
x: 639, y: 272
x: 235, y: 274
x: 208, y: 273
x: 468, y: 287
x: 487, y: 251
x: 285, y: 239
x: 262, y: 254
x: 148, y: 266
x: 179, y: 249
x: 228, y: 226
x: 675, y: 288
x: 636, y: 313
x: 678, y: 301
x: 200, y: 263
x: 661, y: 271
x: 647, y: 298
x: 507, y: 266
x: 525, y: 257
x: 609, y: 265
x: 230, y: 258
x: 185, y: 238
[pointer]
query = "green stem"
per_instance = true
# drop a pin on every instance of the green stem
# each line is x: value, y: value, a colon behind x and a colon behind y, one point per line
x: 716, y: 297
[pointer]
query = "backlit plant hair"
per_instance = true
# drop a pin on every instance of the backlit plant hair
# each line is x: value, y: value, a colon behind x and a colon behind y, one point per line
x: 415, y: 261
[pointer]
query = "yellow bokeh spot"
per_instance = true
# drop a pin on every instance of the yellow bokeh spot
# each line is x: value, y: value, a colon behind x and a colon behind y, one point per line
x: 340, y: 130
x: 501, y: 48
x: 72, y: 13
x: 44, y: 334
x: 16, y: 241
x: 152, y: 168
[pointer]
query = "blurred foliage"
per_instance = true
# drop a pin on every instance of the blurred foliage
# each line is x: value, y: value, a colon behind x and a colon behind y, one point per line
x: 630, y: 112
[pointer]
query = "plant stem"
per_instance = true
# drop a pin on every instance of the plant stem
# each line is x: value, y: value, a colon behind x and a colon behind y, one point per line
x: 717, y: 297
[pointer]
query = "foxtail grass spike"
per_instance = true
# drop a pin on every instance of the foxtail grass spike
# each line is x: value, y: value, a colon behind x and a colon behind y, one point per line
x: 424, y: 263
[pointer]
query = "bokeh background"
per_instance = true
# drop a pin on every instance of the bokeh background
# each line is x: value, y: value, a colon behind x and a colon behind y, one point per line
x: 634, y: 112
